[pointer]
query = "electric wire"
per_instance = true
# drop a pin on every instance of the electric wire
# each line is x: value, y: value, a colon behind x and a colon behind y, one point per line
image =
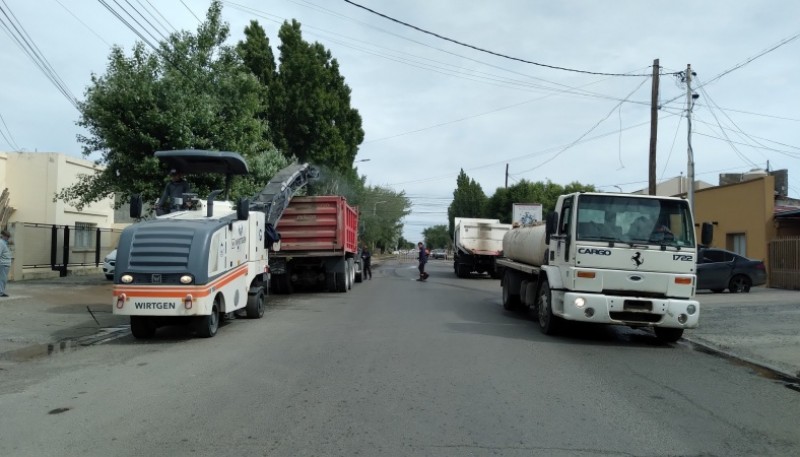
x: 190, y: 10
x: 435, y: 65
x: 17, y: 32
x: 153, y: 16
x: 8, y: 136
x: 162, y: 16
x: 494, y: 53
x: 591, y: 129
x: 84, y: 24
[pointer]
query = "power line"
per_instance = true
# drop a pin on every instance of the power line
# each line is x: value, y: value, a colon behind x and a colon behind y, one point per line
x: 435, y: 66
x: 17, y: 32
x: 597, y: 124
x: 84, y: 24
x: 190, y: 10
x: 554, y: 67
x: 8, y: 136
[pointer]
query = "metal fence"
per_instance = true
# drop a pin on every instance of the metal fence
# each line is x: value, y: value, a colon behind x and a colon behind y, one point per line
x: 784, y: 263
x: 62, y: 247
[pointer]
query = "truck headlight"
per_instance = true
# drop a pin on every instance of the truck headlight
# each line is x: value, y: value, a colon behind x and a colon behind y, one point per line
x: 127, y: 279
x: 691, y: 309
x: 580, y: 302
x: 186, y: 279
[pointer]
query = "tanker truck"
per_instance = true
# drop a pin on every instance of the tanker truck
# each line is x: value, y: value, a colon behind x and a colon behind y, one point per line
x: 477, y: 244
x: 607, y: 258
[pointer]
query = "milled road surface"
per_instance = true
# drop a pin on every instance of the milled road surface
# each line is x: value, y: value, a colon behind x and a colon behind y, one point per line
x: 394, y: 368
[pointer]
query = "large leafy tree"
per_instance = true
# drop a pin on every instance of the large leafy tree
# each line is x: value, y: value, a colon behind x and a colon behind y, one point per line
x: 437, y: 237
x: 194, y: 92
x: 468, y: 200
x: 500, y: 205
x: 309, y: 104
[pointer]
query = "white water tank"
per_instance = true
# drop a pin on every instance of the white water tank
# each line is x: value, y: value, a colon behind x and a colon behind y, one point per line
x: 525, y: 244
x: 754, y: 174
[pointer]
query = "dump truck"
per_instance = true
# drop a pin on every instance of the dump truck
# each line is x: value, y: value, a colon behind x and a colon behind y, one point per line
x: 204, y: 259
x: 477, y: 244
x: 608, y: 259
x: 318, y: 247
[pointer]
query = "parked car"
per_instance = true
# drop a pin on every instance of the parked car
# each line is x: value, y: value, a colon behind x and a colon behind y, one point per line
x: 718, y: 269
x: 108, y: 264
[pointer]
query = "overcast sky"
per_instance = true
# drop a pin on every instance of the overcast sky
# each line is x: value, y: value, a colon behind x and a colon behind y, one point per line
x: 431, y: 107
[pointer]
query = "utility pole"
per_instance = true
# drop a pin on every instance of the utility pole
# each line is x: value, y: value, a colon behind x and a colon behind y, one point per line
x: 690, y: 152
x: 653, y: 129
x: 506, y: 176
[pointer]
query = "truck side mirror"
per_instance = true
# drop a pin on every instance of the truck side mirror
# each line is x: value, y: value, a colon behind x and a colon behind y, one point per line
x: 243, y: 209
x: 550, y: 225
x: 706, y: 233
x: 136, y: 206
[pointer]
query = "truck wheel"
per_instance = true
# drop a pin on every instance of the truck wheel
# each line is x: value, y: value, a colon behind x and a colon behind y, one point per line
x: 548, y: 323
x: 256, y: 304
x: 738, y: 284
x: 510, y: 301
x: 341, y: 277
x: 351, y: 273
x: 142, y: 327
x: 207, y: 326
x: 668, y: 335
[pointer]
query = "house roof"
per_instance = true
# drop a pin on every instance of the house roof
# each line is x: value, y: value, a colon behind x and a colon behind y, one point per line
x: 786, y: 212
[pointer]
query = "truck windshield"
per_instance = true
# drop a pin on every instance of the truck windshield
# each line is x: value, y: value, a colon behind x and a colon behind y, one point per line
x: 623, y: 219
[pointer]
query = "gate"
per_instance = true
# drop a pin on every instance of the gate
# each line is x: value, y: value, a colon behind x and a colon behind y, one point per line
x: 63, y: 247
x: 784, y: 263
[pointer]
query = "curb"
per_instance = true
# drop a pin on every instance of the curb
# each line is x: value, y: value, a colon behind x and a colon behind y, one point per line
x: 768, y: 370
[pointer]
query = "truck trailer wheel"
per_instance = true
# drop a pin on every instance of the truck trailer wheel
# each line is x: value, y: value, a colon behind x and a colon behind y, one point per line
x: 255, y: 304
x: 142, y: 327
x: 668, y: 335
x: 548, y: 322
x: 206, y: 326
x: 510, y: 301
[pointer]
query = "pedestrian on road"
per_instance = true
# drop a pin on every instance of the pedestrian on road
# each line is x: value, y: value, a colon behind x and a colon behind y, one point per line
x: 5, y: 261
x: 423, y: 259
x: 366, y: 259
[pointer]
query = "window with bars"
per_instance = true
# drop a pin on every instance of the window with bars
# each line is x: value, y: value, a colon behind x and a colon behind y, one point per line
x: 84, y: 235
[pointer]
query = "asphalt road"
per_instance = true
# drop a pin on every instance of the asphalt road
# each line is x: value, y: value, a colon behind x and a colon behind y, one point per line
x: 394, y: 368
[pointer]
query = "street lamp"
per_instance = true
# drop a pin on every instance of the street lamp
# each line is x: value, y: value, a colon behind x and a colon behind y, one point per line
x: 375, y: 206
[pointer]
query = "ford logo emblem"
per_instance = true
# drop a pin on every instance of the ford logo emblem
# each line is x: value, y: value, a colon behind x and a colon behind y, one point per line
x: 635, y: 278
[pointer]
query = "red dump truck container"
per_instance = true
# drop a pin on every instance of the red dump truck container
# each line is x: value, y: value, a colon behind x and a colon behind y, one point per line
x: 318, y: 246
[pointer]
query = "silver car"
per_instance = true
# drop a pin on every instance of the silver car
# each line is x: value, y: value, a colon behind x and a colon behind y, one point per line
x: 108, y: 264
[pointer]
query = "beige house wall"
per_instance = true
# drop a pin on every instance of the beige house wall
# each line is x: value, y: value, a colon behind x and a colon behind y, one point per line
x: 742, y: 208
x: 33, y: 179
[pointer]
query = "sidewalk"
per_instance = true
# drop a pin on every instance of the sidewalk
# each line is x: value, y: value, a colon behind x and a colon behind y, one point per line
x: 761, y: 327
x: 45, y: 316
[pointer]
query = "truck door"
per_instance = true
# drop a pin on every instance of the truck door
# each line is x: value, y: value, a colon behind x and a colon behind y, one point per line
x: 564, y: 227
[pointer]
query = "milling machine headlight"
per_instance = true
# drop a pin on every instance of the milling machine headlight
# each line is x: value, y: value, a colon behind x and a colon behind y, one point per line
x: 579, y: 302
x: 691, y: 309
x: 186, y: 279
x: 127, y: 279
x: 683, y: 318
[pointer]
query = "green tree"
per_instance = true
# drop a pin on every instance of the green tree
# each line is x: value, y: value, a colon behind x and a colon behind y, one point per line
x: 194, y: 92
x: 500, y: 205
x: 437, y: 237
x: 309, y: 104
x: 382, y: 211
x: 468, y: 200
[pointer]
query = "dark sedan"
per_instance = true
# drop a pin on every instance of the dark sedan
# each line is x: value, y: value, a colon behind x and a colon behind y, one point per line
x: 718, y: 269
